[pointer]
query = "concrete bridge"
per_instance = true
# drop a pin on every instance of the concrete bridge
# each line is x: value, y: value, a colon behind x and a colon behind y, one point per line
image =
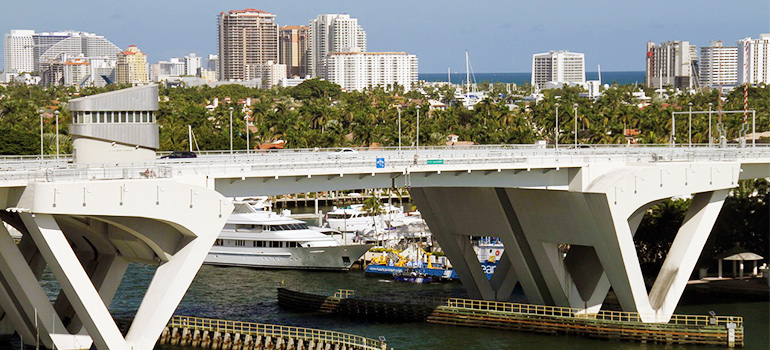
x: 87, y: 222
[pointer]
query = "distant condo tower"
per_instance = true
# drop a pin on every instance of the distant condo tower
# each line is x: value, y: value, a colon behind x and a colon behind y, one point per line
x: 248, y: 39
x: 718, y: 65
x: 294, y: 43
x: 558, y: 67
x: 115, y: 127
x: 754, y: 60
x: 361, y: 70
x: 333, y: 33
x: 672, y: 63
x: 131, y: 67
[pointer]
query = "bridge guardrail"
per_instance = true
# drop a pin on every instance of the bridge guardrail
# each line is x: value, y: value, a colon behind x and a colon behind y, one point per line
x: 403, y: 159
x: 618, y: 316
x: 207, y: 324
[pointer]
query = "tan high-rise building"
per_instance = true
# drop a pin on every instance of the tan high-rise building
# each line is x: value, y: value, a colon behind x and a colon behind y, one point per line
x: 247, y: 38
x: 294, y: 49
x: 131, y: 67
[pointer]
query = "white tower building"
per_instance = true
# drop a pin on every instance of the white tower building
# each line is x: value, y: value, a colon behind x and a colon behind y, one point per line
x: 753, y: 60
x: 718, y: 65
x: 19, y: 46
x: 360, y: 70
x: 560, y: 67
x: 671, y: 64
x: 333, y: 33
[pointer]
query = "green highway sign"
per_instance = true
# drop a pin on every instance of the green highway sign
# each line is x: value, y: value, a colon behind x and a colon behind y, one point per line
x: 435, y: 161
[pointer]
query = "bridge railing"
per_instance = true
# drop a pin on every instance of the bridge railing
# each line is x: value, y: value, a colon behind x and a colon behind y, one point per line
x: 495, y: 156
x: 307, y: 334
x: 617, y: 316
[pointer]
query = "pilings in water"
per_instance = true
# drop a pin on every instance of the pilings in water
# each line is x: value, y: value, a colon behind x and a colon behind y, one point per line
x: 233, y: 335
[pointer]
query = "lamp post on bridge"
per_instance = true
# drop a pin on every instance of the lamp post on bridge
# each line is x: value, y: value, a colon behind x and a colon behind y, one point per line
x: 710, y: 139
x: 231, y: 131
x: 246, y: 121
x: 418, y: 126
x: 576, y: 124
x: 56, y: 113
x: 41, y: 133
x: 399, y: 127
x: 689, y: 127
x: 556, y: 141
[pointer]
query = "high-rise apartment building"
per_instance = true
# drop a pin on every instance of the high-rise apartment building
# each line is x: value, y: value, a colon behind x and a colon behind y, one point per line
x: 192, y: 65
x: 131, y: 67
x: 560, y: 67
x: 753, y: 60
x: 672, y: 63
x: 333, y: 33
x: 361, y: 70
x: 19, y: 45
x: 293, y: 45
x: 212, y: 64
x: 247, y: 38
x: 718, y: 65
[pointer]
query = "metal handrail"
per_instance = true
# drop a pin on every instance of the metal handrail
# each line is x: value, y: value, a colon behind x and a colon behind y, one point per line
x: 244, y: 328
x: 558, y: 311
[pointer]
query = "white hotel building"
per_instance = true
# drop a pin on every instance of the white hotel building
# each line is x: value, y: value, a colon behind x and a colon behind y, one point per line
x: 360, y: 70
x: 718, y: 65
x: 558, y: 67
x: 753, y: 68
x: 19, y: 45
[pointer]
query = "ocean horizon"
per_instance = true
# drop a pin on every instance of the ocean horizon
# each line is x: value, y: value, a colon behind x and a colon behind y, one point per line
x: 619, y: 77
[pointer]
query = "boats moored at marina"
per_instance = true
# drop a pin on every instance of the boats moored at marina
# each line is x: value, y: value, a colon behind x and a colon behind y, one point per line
x: 264, y: 239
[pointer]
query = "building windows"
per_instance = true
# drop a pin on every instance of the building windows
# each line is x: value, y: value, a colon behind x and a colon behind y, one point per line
x: 109, y: 117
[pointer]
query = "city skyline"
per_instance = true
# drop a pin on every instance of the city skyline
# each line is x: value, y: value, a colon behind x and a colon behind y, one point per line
x: 500, y: 36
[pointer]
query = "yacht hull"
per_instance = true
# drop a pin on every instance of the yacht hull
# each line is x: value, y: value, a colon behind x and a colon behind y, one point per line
x: 339, y: 258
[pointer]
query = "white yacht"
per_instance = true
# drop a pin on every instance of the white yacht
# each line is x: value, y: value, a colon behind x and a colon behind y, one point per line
x: 259, y: 238
x: 355, y: 219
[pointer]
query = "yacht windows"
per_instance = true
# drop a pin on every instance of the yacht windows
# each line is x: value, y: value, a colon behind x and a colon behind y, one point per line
x: 218, y: 242
x: 286, y: 227
x: 240, y: 243
x: 275, y: 244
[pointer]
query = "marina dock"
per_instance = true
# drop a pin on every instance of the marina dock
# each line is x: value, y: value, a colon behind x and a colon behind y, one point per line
x: 726, y: 331
x: 215, y: 334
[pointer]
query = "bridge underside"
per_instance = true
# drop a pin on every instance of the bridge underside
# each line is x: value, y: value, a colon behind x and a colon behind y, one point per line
x: 87, y: 242
x: 564, y: 248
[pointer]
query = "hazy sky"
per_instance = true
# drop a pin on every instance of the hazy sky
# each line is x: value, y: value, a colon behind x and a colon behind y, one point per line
x: 500, y: 35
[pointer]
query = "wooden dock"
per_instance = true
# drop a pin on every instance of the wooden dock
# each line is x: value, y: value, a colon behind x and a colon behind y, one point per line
x: 233, y: 335
x: 724, y: 331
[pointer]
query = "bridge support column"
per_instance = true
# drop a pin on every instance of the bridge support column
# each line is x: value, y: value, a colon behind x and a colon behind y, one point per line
x: 455, y: 214
x: 623, y: 270
x: 22, y: 298
x: 74, y: 281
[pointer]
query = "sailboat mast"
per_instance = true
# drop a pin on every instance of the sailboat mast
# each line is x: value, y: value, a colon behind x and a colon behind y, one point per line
x: 467, y: 72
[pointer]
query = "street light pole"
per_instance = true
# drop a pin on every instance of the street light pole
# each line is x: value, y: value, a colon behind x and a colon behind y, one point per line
x: 576, y: 126
x: 231, y: 131
x: 689, y: 127
x: 399, y: 128
x: 41, y: 134
x: 246, y: 121
x: 556, y: 141
x: 710, y: 139
x: 56, y: 113
x: 418, y: 127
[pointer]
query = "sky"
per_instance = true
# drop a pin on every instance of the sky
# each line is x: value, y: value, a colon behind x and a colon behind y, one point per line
x: 500, y: 36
